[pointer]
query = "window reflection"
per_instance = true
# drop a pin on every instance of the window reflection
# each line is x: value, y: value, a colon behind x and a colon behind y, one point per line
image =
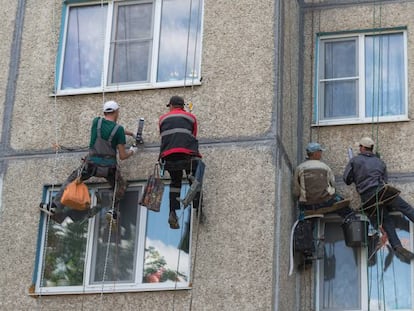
x: 131, y: 45
x: 179, y: 30
x: 65, y: 253
x: 391, y: 287
x: 83, y: 49
x: 123, y: 241
x: 341, y: 276
x: 167, y: 250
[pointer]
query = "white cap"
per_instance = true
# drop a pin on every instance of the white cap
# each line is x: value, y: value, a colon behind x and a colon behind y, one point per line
x: 366, y: 142
x: 110, y: 106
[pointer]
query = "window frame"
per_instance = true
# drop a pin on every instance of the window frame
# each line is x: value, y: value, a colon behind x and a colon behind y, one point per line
x: 363, y: 268
x: 153, y: 57
x: 360, y: 93
x: 88, y: 286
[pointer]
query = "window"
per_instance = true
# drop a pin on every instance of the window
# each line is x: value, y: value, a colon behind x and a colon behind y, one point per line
x: 361, y: 78
x: 354, y: 279
x: 126, y: 45
x: 143, y: 252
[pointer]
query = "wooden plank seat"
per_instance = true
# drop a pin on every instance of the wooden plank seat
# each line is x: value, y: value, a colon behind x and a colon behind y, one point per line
x: 329, y: 209
x: 385, y: 195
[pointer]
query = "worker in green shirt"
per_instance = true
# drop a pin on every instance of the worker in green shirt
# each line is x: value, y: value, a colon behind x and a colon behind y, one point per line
x: 107, y: 139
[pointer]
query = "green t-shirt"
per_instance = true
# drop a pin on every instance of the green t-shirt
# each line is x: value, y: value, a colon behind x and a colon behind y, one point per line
x: 106, y: 129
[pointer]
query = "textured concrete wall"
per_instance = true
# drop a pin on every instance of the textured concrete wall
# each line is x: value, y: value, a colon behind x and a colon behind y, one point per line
x: 233, y: 105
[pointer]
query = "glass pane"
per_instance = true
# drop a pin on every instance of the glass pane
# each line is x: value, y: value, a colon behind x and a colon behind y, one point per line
x: 340, y: 59
x: 180, y: 29
x: 389, y: 279
x: 131, y: 62
x: 131, y: 43
x: 341, y: 276
x: 134, y: 21
x: 83, y: 59
x: 123, y: 241
x: 340, y: 99
x: 384, y: 75
x: 65, y: 253
x: 167, y: 251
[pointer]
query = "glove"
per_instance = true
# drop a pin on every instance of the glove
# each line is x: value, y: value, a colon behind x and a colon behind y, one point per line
x: 133, y: 149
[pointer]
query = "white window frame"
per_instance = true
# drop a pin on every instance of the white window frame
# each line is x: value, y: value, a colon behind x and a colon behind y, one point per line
x: 109, y: 286
x: 362, y: 259
x: 116, y: 87
x: 360, y: 43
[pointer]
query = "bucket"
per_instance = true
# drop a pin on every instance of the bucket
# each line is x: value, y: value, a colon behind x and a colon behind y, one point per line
x: 355, y: 232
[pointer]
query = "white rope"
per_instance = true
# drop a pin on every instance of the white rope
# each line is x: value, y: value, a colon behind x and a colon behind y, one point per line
x: 47, y: 222
x: 196, y: 247
x: 108, y: 242
x: 188, y: 44
x: 195, y: 49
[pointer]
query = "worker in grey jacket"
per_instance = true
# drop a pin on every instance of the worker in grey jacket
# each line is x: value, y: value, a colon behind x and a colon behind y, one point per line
x: 314, y: 183
x: 369, y: 173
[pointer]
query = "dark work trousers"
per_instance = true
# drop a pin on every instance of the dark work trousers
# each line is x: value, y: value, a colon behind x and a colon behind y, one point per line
x: 175, y: 165
x: 86, y: 172
x: 398, y: 204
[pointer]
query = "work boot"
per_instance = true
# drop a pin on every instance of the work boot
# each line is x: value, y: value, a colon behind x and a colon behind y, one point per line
x: 53, y: 212
x: 48, y: 208
x: 173, y: 221
x: 192, y: 192
x: 403, y: 254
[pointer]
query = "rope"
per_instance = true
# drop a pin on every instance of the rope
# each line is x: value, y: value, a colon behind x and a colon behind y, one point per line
x: 196, y: 246
x: 188, y: 43
x: 108, y: 243
x: 376, y: 101
x: 56, y: 158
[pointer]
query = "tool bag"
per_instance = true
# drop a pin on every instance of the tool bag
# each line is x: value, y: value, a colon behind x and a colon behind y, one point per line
x: 76, y: 196
x: 153, y: 191
x: 303, y: 237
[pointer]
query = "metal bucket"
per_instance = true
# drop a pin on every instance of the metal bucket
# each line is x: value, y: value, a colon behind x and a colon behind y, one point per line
x: 356, y: 232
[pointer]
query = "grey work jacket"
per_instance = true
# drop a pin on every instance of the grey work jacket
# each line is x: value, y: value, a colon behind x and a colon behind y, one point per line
x: 314, y: 182
x: 366, y: 170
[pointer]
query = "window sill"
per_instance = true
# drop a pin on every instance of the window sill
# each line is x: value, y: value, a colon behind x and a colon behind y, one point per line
x: 97, y: 289
x: 126, y: 88
x: 359, y: 121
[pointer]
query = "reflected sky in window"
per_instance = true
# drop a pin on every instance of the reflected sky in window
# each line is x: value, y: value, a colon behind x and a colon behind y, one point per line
x: 84, y: 45
x: 167, y: 250
x: 179, y: 30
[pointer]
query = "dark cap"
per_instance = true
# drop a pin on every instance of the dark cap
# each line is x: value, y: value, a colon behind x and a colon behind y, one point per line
x: 176, y: 101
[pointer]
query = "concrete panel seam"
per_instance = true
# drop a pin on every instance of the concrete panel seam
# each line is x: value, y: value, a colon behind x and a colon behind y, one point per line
x: 337, y: 4
x: 13, y: 75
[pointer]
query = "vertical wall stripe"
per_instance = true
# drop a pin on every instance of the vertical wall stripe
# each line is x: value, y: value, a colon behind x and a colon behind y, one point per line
x: 13, y: 75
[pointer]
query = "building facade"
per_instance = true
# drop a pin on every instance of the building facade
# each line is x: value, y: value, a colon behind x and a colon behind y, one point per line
x: 264, y: 78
